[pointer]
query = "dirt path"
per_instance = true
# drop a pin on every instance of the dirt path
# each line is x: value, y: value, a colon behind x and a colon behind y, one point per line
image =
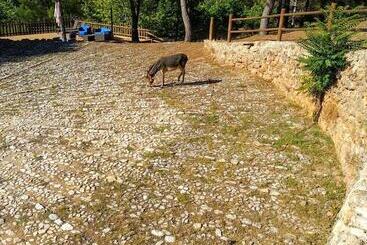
x: 89, y: 153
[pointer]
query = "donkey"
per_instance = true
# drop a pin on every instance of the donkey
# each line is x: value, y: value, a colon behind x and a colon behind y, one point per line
x: 168, y: 63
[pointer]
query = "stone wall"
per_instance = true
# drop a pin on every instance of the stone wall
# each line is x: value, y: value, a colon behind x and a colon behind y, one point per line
x: 344, y: 116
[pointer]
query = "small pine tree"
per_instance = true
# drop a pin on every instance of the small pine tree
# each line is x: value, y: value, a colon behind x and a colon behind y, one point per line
x: 327, y: 46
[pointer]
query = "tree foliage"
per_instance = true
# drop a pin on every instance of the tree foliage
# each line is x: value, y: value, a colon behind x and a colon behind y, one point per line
x: 161, y: 16
x: 327, y: 47
x: 7, y: 10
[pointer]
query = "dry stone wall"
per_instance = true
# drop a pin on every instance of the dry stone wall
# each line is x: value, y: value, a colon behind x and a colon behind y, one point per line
x: 344, y: 116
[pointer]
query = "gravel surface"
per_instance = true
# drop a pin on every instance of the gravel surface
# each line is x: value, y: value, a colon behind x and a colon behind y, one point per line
x: 89, y: 154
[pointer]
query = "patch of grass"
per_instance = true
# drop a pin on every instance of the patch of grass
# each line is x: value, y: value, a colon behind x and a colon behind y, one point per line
x: 3, y: 143
x: 211, y: 118
x: 183, y: 198
x: 198, y: 139
x: 365, y: 125
x: 292, y: 183
x: 292, y: 138
x: 85, y: 145
x: 163, y: 154
x: 222, y: 169
x: 63, y: 211
x: 130, y: 148
x: 310, y: 141
x: 171, y: 99
x: 22, y: 220
x: 204, y: 120
x: 334, y: 190
x: 161, y: 128
x: 38, y: 158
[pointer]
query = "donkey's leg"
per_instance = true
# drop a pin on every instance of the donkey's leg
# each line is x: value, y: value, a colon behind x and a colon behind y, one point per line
x: 179, y: 76
x: 163, y: 73
x: 183, y: 75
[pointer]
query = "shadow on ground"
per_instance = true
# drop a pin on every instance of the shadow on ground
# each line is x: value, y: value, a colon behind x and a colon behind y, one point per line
x: 193, y: 83
x: 15, y: 50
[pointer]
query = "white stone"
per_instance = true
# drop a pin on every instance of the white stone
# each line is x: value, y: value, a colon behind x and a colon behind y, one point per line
x: 157, y: 233
x: 110, y: 179
x: 218, y: 232
x: 274, y: 193
x: 67, y: 227
x: 197, y: 226
x: 39, y: 206
x: 53, y: 217
x: 9, y: 233
x: 58, y: 222
x: 231, y: 216
x: 169, y: 239
x: 234, y: 161
x: 24, y: 197
x: 218, y: 211
x: 106, y: 230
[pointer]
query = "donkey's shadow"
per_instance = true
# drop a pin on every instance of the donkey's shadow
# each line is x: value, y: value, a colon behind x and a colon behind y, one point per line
x: 193, y: 83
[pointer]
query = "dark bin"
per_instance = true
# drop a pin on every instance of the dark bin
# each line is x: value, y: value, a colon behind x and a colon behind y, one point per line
x: 71, y: 36
x: 102, y: 34
x: 89, y: 37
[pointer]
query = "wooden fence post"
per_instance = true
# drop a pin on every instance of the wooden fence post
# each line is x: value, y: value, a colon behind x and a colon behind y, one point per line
x: 211, y: 28
x: 229, y: 37
x: 281, y: 24
x: 331, y: 15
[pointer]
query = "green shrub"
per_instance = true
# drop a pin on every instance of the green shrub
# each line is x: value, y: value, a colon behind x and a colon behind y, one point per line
x: 327, y: 47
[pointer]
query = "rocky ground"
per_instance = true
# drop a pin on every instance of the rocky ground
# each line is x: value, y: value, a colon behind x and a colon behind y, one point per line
x: 89, y: 154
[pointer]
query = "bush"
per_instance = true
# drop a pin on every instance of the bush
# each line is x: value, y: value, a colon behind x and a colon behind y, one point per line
x: 327, y: 47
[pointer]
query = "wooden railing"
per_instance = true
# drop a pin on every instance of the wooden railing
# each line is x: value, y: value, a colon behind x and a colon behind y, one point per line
x: 280, y: 29
x: 125, y: 31
x: 14, y: 28
x: 48, y: 26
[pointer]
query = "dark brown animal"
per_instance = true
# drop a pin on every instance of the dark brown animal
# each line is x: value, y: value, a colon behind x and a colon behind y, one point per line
x: 168, y: 63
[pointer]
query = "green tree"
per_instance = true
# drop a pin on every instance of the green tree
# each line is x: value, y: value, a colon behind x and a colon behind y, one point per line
x: 327, y: 47
x: 7, y: 10
x: 163, y: 17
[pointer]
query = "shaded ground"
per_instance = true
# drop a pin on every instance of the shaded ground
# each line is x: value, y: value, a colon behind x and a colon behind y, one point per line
x: 89, y: 153
x: 23, y: 50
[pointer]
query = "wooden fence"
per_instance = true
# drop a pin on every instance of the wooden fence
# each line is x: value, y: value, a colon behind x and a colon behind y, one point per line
x: 48, y: 26
x: 26, y: 28
x: 280, y: 29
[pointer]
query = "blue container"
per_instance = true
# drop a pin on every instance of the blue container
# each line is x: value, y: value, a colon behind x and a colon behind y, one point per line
x: 103, y: 30
x: 85, y: 30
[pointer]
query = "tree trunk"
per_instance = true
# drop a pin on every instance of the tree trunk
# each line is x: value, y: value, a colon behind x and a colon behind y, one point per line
x: 267, y: 10
x: 186, y: 20
x: 135, y: 10
x: 318, y: 109
x: 306, y: 9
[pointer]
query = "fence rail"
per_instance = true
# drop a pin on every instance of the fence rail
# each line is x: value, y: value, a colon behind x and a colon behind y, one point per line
x: 15, y: 28
x: 280, y: 29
